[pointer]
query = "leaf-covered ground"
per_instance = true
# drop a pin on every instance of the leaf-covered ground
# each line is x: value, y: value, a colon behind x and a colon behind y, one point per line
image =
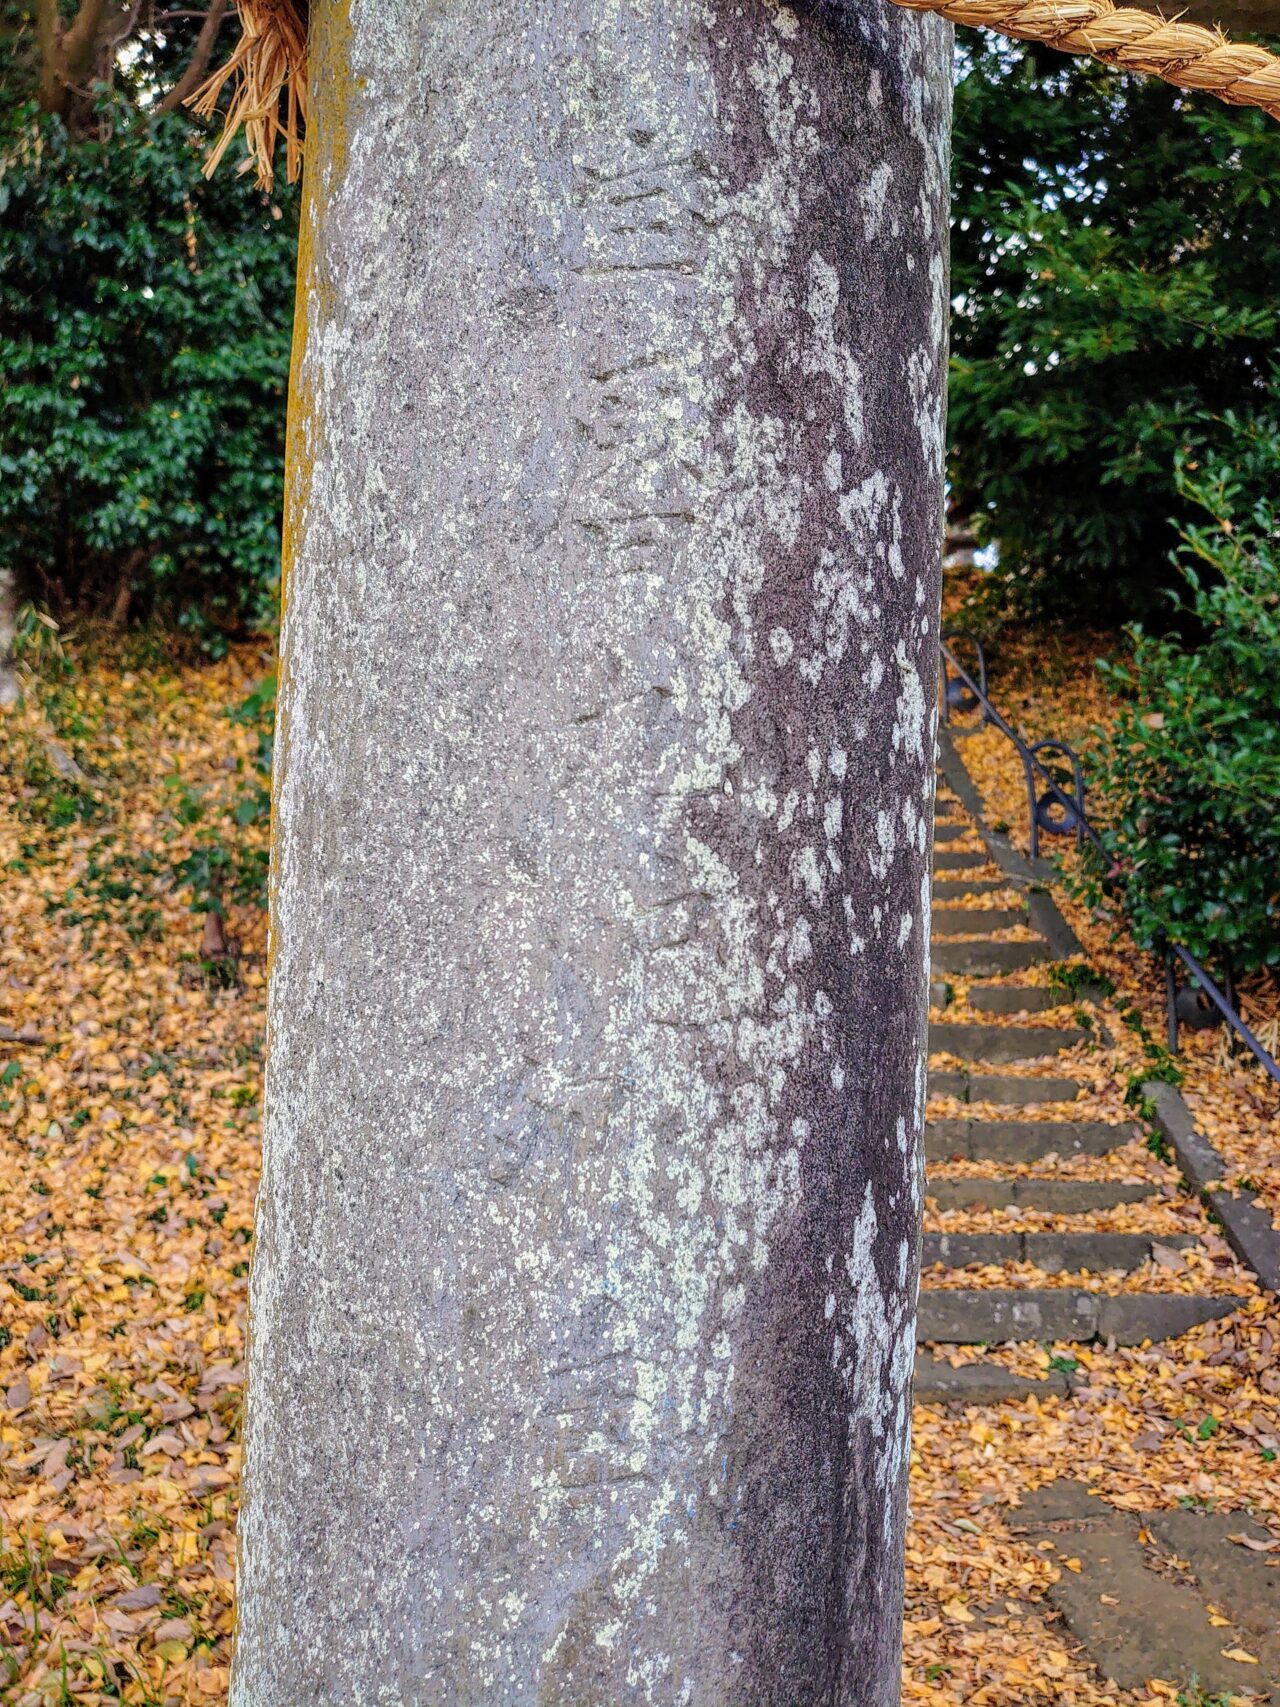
x: 129, y: 1128
x: 128, y: 1161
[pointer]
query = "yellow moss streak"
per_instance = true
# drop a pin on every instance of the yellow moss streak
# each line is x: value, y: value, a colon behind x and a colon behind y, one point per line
x: 330, y: 48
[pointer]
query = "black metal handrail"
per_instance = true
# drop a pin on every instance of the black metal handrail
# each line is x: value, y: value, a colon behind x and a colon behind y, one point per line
x: 1073, y: 820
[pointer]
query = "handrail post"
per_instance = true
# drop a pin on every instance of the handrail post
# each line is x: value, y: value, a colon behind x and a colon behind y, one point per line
x: 1033, y: 812
x: 1171, y: 1000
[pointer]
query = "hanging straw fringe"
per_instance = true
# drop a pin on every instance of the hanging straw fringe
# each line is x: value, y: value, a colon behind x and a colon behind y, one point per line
x: 1185, y: 54
x: 270, y: 62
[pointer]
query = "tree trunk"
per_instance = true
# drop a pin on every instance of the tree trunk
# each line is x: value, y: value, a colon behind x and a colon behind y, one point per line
x: 583, y: 1306
x: 10, y: 687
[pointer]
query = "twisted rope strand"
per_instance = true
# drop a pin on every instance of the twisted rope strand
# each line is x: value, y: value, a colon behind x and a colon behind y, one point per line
x: 270, y: 61
x: 1186, y: 54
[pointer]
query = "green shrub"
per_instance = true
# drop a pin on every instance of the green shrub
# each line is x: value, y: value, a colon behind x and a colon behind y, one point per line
x: 1114, y: 256
x: 145, y: 318
x: 1189, y: 777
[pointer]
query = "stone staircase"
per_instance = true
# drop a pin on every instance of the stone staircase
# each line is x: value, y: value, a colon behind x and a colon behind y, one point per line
x: 1001, y: 1124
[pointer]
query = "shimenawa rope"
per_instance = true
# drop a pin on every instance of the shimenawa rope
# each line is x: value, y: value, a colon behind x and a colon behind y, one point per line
x: 1186, y: 54
x: 269, y: 64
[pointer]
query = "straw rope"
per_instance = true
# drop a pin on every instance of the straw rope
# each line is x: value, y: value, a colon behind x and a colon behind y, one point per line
x: 269, y: 65
x: 1186, y: 54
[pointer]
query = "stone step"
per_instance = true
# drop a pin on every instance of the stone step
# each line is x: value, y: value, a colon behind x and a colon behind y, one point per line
x: 951, y: 832
x: 1053, y: 1196
x: 1001, y: 1042
x: 1140, y: 1620
x: 973, y: 921
x: 951, y: 1316
x: 958, y: 859
x: 998, y: 1087
x: 1014, y: 998
x: 1055, y: 1253
x: 936, y: 1382
x: 956, y: 888
x: 1019, y: 1140
x: 978, y: 959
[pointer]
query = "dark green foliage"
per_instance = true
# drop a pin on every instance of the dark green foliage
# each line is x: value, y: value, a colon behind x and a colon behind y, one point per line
x: 144, y: 342
x: 1188, y: 777
x: 224, y: 867
x: 1115, y: 260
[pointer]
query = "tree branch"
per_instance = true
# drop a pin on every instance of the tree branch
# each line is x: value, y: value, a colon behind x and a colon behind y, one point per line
x: 78, y: 44
x: 53, y: 85
x: 199, y: 61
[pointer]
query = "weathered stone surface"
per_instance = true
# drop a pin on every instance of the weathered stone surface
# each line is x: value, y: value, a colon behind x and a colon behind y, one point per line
x: 1063, y: 1501
x: 1058, y: 1253
x: 956, y: 888
x: 1024, y: 1093
x: 1000, y: 1088
x: 1245, y: 1584
x: 1058, y: 1197
x: 1047, y: 921
x: 1012, y: 998
x: 949, y: 1085
x: 1020, y: 1140
x: 955, y: 1316
x: 961, y: 1250
x: 1248, y: 1228
x: 936, y: 1382
x: 976, y: 958
x: 951, y: 832
x: 972, y: 921
x: 962, y: 859
x: 1139, y: 1622
x: 1001, y: 1042
x: 1148, y: 1625
x: 1131, y: 1317
x: 946, y: 1140
x: 1053, y: 1252
x: 583, y: 1292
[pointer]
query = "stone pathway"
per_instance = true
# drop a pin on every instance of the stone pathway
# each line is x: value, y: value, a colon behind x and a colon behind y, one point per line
x: 1165, y: 1595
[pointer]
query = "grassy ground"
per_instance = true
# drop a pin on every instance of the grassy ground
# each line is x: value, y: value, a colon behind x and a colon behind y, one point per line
x: 129, y: 1124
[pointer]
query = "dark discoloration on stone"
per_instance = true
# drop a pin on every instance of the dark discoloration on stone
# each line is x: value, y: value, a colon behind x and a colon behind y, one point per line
x: 583, y: 1298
